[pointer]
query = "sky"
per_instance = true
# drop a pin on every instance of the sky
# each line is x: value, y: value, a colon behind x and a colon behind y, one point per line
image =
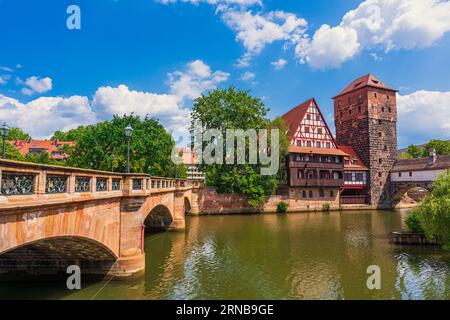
x: 155, y: 57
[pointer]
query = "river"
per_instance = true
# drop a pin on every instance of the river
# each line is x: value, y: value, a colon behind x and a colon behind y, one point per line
x: 294, y: 256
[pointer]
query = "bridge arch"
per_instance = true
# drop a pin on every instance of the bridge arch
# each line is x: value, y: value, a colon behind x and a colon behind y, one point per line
x: 55, y: 254
x: 412, y: 193
x: 187, y: 206
x: 159, y: 218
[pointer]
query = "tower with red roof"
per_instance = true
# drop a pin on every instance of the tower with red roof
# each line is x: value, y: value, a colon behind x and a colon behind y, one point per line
x: 366, y: 119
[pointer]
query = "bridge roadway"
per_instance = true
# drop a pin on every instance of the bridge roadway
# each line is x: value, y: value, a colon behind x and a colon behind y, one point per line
x: 55, y: 216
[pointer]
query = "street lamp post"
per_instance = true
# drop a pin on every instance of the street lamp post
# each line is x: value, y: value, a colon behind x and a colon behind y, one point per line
x: 4, y: 129
x: 128, y: 133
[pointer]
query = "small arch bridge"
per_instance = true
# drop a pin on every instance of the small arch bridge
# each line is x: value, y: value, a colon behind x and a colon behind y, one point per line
x: 54, y: 216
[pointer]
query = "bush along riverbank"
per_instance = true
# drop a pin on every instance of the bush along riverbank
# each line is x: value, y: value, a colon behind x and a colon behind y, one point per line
x: 432, y: 218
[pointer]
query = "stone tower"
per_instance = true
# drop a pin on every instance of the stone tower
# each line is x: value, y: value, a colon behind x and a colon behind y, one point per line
x: 365, y: 116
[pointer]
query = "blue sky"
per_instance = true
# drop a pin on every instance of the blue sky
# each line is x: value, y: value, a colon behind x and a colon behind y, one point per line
x: 155, y: 57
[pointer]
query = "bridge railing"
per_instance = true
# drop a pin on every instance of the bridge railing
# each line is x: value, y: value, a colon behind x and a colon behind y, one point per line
x: 23, y: 181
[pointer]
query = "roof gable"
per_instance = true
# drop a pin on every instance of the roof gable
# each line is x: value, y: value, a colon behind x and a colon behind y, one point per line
x: 294, y: 117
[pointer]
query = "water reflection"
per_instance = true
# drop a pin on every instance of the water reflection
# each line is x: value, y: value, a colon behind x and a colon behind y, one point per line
x: 299, y: 256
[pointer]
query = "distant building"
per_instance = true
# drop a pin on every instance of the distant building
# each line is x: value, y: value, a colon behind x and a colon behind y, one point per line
x: 193, y: 171
x: 52, y: 147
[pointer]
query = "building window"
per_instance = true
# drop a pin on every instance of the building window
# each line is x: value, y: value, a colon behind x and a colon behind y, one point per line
x: 382, y: 109
x: 310, y: 193
x: 321, y: 193
x: 379, y: 121
x: 318, y: 117
x: 375, y: 94
x: 390, y: 109
x: 300, y: 174
x: 380, y: 160
x: 304, y: 194
x: 410, y: 174
x: 400, y: 174
x: 341, y: 114
x: 359, y: 176
x: 380, y: 134
x: 308, y: 143
x: 318, y: 144
x: 306, y: 129
x: 299, y: 143
x: 319, y: 130
x: 328, y: 145
x: 387, y: 97
x: 331, y: 194
x: 298, y: 157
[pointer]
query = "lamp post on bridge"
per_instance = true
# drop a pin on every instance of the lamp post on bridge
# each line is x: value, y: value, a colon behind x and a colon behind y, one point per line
x: 128, y: 133
x: 4, y: 129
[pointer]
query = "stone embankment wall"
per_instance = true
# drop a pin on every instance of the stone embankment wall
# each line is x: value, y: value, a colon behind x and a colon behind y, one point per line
x: 211, y: 202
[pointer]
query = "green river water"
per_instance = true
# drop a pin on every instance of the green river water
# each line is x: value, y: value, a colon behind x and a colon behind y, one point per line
x: 295, y: 256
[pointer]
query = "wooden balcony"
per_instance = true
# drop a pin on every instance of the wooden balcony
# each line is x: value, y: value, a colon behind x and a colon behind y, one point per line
x: 316, y: 165
x: 317, y: 182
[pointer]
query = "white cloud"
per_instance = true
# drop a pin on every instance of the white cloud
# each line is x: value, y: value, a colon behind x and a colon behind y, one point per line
x: 258, y: 30
x: 6, y: 69
x: 36, y: 85
x: 279, y: 64
x: 386, y: 24
x: 422, y: 116
x: 197, y: 78
x: 42, y: 116
x: 248, y: 76
x: 4, y: 78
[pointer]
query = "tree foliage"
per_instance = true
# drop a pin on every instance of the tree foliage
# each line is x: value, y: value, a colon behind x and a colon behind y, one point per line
x: 11, y: 152
x: 433, y: 213
x: 442, y: 147
x: 17, y: 134
x: 231, y: 108
x: 414, y: 151
x: 150, y: 146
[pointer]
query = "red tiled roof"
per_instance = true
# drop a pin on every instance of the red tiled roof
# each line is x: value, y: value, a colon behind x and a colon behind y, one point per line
x: 48, y: 146
x: 310, y: 150
x: 351, y: 156
x: 295, y: 116
x: 369, y: 80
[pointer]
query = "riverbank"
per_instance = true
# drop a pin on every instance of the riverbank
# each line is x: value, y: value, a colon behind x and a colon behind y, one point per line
x: 213, y: 203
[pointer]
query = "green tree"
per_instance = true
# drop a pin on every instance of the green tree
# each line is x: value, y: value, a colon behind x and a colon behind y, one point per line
x: 43, y: 158
x: 17, y: 134
x: 11, y: 152
x: 414, y: 151
x: 433, y: 213
x: 150, y: 146
x: 231, y: 108
x: 442, y: 147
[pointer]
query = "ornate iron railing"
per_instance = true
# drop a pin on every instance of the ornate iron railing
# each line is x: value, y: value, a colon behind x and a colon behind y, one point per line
x: 137, y: 184
x: 115, y: 184
x: 82, y: 184
x: 56, y: 184
x: 17, y: 184
x: 101, y: 184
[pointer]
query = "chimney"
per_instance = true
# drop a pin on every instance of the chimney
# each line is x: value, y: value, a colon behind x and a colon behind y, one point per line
x: 432, y: 157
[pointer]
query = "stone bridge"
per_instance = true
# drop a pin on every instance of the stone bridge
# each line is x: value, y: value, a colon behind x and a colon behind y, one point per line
x: 414, y: 189
x: 54, y: 216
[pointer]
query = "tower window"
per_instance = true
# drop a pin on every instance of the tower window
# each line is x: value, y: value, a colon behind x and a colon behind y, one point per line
x: 382, y: 109
x: 350, y: 111
x: 385, y: 147
x: 379, y: 174
x: 380, y: 134
x: 380, y: 160
x: 375, y: 94
x: 390, y: 109
x: 379, y: 121
x: 341, y: 114
x: 310, y: 193
x: 387, y: 97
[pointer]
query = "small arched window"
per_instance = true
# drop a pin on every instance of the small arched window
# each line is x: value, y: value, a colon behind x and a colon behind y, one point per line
x: 310, y: 193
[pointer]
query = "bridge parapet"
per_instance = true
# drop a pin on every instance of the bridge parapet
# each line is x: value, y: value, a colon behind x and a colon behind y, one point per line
x: 26, y: 184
